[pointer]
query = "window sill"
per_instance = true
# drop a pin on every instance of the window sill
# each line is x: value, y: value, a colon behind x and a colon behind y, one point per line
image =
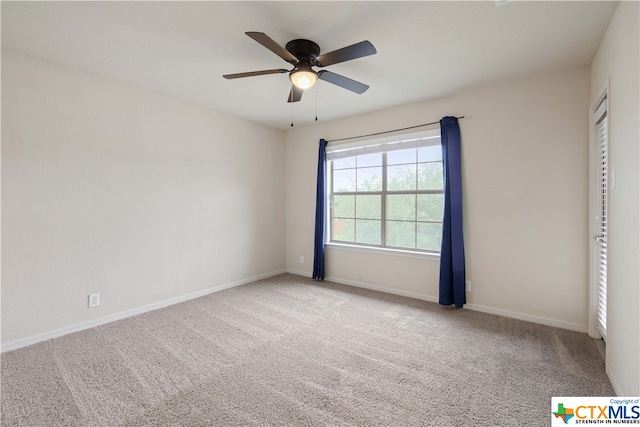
x: 384, y: 251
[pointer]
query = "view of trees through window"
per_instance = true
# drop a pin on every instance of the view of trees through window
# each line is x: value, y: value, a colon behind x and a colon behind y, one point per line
x: 391, y: 199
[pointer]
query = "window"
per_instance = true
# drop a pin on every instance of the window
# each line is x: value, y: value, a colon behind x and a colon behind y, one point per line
x: 387, y: 193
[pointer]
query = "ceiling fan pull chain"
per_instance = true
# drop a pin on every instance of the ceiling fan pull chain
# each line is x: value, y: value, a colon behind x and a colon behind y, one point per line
x: 291, y: 114
x: 316, y: 104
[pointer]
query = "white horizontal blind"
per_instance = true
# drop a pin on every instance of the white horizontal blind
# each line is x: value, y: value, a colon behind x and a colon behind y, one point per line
x: 383, y: 145
x: 603, y: 187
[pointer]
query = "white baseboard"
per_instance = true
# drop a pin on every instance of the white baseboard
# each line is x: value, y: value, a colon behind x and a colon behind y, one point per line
x: 529, y: 318
x: 616, y: 385
x: 490, y: 310
x: 13, y: 345
x: 363, y: 285
x: 299, y: 272
x: 384, y: 289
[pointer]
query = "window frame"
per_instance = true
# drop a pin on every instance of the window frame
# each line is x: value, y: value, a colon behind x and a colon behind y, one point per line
x: 428, y: 138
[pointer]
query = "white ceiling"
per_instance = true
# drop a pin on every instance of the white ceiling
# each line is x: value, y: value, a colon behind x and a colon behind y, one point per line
x: 425, y: 49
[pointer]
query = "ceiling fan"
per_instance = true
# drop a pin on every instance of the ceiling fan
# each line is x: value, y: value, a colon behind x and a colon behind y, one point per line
x: 304, y: 55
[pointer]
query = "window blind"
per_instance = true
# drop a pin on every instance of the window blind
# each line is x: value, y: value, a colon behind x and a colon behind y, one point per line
x: 383, y: 145
x: 603, y: 187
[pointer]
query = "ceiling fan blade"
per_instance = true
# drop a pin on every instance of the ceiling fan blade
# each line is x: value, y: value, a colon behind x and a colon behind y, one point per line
x: 358, y: 50
x: 343, y: 81
x: 273, y: 46
x: 295, y: 94
x: 255, y: 73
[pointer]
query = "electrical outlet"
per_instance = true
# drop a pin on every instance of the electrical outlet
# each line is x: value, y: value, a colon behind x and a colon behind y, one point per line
x: 467, y: 285
x: 94, y: 300
x: 301, y: 259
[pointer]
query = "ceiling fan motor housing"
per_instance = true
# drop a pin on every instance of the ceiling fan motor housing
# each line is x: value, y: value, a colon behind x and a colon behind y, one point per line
x: 305, y: 50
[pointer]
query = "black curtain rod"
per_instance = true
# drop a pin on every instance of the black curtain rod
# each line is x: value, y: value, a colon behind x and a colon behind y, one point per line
x: 389, y: 131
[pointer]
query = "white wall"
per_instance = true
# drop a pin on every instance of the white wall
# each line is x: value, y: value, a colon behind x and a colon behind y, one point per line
x: 617, y: 59
x: 525, y: 175
x: 112, y: 189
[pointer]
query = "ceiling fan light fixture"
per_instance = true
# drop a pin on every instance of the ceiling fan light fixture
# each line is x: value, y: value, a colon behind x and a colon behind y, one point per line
x: 303, y: 77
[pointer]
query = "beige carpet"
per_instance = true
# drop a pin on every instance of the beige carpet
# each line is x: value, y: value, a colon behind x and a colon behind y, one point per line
x: 288, y: 351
